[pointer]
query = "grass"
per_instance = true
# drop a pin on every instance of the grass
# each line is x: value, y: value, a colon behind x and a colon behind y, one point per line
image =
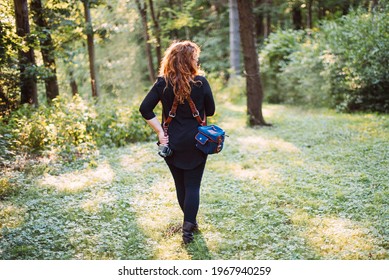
x: 312, y: 186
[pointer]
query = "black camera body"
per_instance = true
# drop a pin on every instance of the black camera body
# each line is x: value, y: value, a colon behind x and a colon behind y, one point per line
x: 164, y: 151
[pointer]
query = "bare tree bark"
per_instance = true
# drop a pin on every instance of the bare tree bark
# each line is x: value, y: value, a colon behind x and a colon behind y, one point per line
x: 143, y: 13
x: 28, y: 86
x: 251, y: 64
x: 91, y: 49
x: 157, y: 32
x: 47, y: 49
x: 234, y: 39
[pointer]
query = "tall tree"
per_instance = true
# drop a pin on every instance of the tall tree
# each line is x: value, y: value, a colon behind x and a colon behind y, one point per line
x: 5, y: 104
x: 251, y: 64
x: 143, y: 14
x: 259, y: 20
x: 157, y: 32
x: 234, y: 38
x: 268, y: 8
x: 309, y: 14
x: 73, y: 83
x: 91, y: 49
x: 296, y: 16
x: 47, y: 49
x: 28, y: 86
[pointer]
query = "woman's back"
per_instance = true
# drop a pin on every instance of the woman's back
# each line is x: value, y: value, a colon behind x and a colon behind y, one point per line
x: 183, y: 128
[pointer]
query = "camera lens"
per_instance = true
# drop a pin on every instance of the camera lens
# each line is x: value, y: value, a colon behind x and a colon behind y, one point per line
x: 164, y: 151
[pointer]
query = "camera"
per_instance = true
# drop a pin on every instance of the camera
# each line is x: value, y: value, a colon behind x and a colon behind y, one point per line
x: 164, y: 151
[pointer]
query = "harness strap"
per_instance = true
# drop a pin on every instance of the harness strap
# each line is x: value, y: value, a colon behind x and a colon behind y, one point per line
x: 195, y: 112
x: 172, y: 114
x: 173, y: 110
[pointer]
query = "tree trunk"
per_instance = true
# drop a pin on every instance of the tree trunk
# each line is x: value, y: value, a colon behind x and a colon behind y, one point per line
x: 5, y: 104
x: 268, y: 18
x: 259, y: 27
x: 73, y: 83
x: 143, y: 14
x: 321, y: 10
x: 251, y: 64
x: 91, y: 49
x: 47, y: 49
x: 234, y: 39
x: 297, y: 17
x: 28, y: 86
x: 157, y: 32
x: 309, y: 14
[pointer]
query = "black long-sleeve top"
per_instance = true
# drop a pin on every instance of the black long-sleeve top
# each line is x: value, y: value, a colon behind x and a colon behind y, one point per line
x: 183, y: 128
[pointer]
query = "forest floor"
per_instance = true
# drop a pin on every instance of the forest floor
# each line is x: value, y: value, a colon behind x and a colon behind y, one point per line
x: 312, y: 186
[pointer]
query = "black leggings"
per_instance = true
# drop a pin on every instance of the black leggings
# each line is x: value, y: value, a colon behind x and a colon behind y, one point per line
x: 188, y: 189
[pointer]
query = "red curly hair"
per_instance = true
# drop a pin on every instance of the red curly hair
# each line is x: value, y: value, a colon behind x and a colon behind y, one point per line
x: 179, y: 66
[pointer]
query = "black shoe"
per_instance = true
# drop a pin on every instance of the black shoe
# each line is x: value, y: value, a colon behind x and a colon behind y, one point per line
x: 187, y: 232
x: 196, y: 228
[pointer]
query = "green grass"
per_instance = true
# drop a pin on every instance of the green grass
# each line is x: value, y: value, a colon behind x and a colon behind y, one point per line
x: 312, y: 186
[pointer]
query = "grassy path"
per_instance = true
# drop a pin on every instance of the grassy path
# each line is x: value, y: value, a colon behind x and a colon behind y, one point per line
x: 313, y: 186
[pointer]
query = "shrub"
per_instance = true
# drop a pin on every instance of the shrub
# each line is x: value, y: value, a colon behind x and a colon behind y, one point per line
x: 6, y: 188
x: 61, y: 127
x: 117, y: 125
x: 304, y: 79
x: 274, y: 56
x: 70, y: 128
x: 359, y: 43
x: 344, y: 65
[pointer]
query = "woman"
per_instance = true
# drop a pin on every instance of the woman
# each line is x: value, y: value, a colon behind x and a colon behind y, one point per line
x: 179, y: 78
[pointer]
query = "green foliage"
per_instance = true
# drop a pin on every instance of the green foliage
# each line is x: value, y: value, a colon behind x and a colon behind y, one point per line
x: 10, y: 43
x: 61, y: 128
x: 359, y: 43
x: 5, y: 188
x: 304, y: 79
x: 213, y: 38
x: 274, y: 57
x: 71, y: 128
x: 118, y: 125
x: 343, y: 65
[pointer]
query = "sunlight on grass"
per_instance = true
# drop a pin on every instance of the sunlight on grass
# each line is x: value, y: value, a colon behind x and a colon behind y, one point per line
x: 93, y: 204
x: 242, y: 171
x: 79, y: 180
x: 157, y: 210
x: 230, y: 124
x: 339, y: 238
x: 11, y: 216
x: 137, y: 156
x: 269, y: 111
x: 154, y: 202
x: 252, y: 143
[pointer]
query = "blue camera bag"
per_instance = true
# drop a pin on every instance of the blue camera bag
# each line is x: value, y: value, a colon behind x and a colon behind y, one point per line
x: 210, y: 139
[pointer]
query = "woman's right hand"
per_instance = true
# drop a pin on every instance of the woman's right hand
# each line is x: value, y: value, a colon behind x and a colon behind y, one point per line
x: 163, y: 140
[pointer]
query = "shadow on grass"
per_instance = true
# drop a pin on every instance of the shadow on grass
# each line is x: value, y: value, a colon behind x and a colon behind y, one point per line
x: 198, y: 249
